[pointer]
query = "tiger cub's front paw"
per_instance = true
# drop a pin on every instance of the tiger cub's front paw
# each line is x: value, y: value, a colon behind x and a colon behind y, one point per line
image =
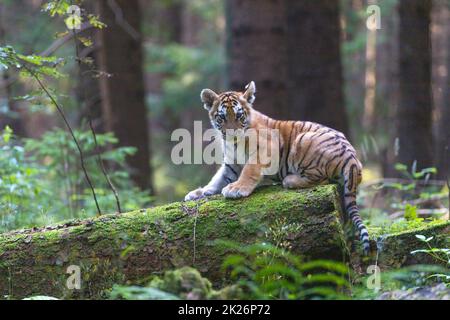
x: 236, y: 191
x: 194, y: 195
x: 200, y: 193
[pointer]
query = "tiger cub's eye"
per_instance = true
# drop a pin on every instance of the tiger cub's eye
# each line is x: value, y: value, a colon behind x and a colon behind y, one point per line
x: 239, y: 114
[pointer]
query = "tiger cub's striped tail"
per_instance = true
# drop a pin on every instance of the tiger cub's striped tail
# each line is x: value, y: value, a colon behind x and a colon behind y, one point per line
x: 352, y: 177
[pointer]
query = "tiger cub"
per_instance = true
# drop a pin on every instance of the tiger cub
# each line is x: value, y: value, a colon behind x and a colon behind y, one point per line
x: 309, y: 154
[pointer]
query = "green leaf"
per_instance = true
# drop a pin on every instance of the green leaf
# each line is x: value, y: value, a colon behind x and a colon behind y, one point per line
x: 410, y: 212
x: 95, y: 22
x: 423, y: 172
x: 233, y: 260
x: 40, y: 298
x: 421, y: 237
x: 7, y: 134
x: 420, y: 251
x: 401, y: 167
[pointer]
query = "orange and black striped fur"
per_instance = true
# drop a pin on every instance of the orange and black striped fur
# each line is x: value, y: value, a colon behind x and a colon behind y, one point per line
x: 309, y: 154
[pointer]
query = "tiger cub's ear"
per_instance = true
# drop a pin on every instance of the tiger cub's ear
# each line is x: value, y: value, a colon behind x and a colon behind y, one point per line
x: 250, y: 91
x: 208, y: 96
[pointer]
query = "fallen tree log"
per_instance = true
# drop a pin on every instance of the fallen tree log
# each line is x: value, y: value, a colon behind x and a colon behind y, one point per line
x: 127, y: 248
x: 395, y: 249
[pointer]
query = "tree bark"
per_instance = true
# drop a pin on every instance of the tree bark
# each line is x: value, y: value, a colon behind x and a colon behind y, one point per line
x: 123, y: 93
x: 130, y: 247
x: 88, y: 87
x: 298, y: 75
x: 441, y: 85
x: 12, y: 117
x: 413, y: 119
x: 256, y: 50
x: 314, y: 60
x: 388, y: 88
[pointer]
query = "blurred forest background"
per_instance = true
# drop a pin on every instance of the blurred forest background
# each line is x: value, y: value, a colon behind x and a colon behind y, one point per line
x: 133, y: 73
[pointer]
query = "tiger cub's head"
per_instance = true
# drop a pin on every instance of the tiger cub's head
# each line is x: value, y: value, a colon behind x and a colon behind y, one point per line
x: 229, y: 110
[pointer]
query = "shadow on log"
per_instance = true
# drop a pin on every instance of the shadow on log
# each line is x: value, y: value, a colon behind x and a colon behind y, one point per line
x: 128, y: 248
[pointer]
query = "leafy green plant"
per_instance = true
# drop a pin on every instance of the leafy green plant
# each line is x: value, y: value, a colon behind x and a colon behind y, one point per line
x: 411, y: 277
x: 405, y: 200
x: 40, y: 67
x: 19, y: 182
x: 414, y: 174
x: 412, y: 177
x: 183, y: 283
x: 41, y: 181
x: 405, y: 278
x: 257, y: 271
x: 441, y: 255
x: 278, y: 233
x: 267, y: 272
x: 58, y: 151
x: 410, y: 212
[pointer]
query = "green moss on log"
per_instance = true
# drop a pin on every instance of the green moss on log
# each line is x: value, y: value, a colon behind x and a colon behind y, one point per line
x: 396, y: 248
x: 129, y: 247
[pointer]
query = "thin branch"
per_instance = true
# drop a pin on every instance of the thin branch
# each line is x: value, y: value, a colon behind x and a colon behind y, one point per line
x: 50, y: 50
x: 61, y: 41
x: 102, y: 166
x: 61, y: 112
x: 97, y: 149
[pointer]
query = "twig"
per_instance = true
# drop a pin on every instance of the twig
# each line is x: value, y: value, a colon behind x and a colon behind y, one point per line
x: 194, y: 212
x: 80, y: 151
x: 61, y: 41
x: 47, y: 52
x: 102, y: 166
x: 195, y: 236
x: 97, y: 149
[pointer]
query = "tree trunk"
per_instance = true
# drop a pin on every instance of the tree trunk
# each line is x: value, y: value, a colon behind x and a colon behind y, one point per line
x: 123, y: 93
x: 413, y: 119
x: 441, y: 85
x: 256, y: 50
x: 388, y: 88
x: 12, y: 116
x: 88, y: 87
x: 314, y: 60
x: 130, y: 247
